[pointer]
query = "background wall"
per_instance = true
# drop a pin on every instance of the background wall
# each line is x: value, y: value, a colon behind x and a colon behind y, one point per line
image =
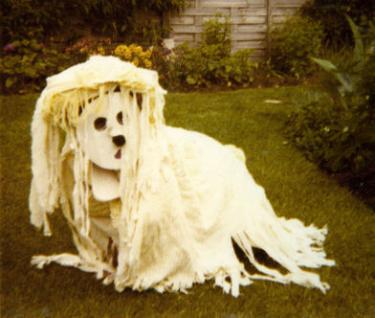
x: 251, y: 20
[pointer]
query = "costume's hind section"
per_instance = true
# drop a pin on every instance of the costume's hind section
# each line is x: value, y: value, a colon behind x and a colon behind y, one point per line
x: 184, y: 197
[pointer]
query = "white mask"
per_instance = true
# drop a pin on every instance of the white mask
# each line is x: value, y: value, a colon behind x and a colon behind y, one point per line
x: 101, y: 133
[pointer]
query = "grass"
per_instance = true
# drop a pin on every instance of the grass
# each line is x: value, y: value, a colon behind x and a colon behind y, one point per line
x: 296, y: 188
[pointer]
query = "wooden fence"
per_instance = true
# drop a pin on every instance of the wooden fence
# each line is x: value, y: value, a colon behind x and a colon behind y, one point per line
x: 251, y: 20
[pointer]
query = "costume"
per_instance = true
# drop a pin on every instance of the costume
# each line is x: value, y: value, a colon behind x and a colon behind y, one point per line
x: 148, y: 205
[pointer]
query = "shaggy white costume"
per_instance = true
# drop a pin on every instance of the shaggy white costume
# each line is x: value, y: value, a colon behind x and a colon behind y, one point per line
x: 172, y: 202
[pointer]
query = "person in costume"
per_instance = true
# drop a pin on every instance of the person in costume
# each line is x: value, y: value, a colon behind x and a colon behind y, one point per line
x: 149, y: 205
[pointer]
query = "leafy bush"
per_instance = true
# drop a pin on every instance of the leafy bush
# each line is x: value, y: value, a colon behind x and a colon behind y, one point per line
x: 88, y: 46
x: 216, y: 31
x: 336, y: 139
x: 161, y: 62
x: 337, y: 131
x: 211, y: 62
x: 26, y: 64
x: 292, y: 45
x: 70, y: 19
x: 331, y: 15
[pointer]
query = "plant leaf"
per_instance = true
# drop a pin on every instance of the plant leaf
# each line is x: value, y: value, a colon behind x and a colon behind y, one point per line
x: 325, y: 65
x: 190, y: 80
x: 346, y: 82
x: 10, y: 81
x: 359, y: 51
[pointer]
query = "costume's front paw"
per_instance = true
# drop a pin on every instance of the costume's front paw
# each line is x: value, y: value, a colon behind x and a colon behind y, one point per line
x: 40, y: 261
x: 108, y: 278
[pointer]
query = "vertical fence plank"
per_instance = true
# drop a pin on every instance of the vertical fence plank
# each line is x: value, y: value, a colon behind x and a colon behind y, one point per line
x: 268, y: 26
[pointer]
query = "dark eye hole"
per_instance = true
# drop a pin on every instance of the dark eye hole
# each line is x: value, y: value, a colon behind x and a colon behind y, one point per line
x: 119, y: 118
x: 100, y: 123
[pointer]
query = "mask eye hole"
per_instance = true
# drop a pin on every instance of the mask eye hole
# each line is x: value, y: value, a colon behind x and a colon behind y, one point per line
x: 100, y: 123
x: 119, y: 118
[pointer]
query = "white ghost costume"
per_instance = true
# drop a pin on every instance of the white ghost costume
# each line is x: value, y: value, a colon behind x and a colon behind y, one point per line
x: 148, y: 205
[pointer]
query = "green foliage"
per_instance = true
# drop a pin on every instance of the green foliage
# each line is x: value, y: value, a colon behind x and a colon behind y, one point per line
x: 338, y: 131
x: 160, y: 59
x: 240, y: 67
x: 87, y: 46
x: 69, y: 19
x: 336, y: 139
x: 217, y: 32
x: 211, y: 62
x: 27, y: 64
x: 292, y: 45
x: 331, y: 15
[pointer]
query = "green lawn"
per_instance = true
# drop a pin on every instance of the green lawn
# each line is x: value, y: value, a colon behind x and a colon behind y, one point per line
x: 295, y: 186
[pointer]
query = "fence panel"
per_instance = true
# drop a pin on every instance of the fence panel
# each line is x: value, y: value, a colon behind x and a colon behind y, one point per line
x: 251, y: 20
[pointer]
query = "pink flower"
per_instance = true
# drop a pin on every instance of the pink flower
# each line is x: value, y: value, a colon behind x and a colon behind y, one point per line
x: 9, y: 48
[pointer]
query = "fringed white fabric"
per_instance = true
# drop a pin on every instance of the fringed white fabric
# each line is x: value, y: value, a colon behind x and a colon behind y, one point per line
x: 184, y: 196
x: 45, y: 185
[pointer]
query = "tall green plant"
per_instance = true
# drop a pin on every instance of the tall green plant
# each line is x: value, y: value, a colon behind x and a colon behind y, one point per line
x: 331, y: 15
x: 350, y: 80
x: 337, y: 129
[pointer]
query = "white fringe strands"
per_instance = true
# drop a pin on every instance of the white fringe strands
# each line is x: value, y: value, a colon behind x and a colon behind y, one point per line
x: 184, y: 196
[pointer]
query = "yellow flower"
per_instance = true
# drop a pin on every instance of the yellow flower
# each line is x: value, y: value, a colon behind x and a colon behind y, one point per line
x: 142, y: 55
x: 101, y: 50
x: 136, y: 61
x: 138, y: 50
x: 120, y: 50
x: 148, y: 54
x: 127, y: 55
x: 132, y: 47
x: 148, y: 63
x: 124, y: 52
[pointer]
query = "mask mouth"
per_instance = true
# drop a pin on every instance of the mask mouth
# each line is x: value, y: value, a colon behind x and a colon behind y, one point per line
x: 105, y: 184
x: 118, y: 154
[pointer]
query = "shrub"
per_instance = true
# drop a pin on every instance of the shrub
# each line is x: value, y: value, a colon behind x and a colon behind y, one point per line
x: 337, y: 131
x: 292, y: 44
x: 25, y: 65
x: 331, y: 15
x: 211, y: 62
x: 69, y: 19
x: 336, y: 139
x: 240, y: 67
x: 161, y: 62
x: 216, y: 31
x: 88, y: 46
